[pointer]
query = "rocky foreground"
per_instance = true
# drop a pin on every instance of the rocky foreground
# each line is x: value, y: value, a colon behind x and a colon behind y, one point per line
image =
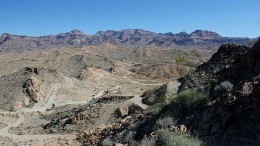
x: 217, y: 104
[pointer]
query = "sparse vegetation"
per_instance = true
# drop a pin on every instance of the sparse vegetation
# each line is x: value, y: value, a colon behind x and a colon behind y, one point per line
x: 186, y: 101
x: 107, y: 142
x: 194, y: 53
x: 156, y: 96
x: 128, y: 136
x: 175, y: 139
x: 147, y: 141
x: 224, y: 86
x: 179, y: 59
x: 165, y: 122
x: 156, y: 108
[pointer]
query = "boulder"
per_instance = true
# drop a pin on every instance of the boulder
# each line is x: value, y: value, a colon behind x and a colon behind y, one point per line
x: 122, y: 111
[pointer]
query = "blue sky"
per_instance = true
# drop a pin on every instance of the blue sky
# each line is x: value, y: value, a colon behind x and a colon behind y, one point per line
x: 41, y: 17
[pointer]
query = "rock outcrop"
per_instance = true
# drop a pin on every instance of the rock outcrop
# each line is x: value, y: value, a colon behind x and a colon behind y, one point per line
x: 231, y: 82
x: 223, y: 58
x: 32, y: 89
x: 233, y: 118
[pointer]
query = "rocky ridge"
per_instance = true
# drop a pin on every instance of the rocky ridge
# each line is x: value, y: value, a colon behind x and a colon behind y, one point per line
x: 199, y: 39
x: 230, y: 80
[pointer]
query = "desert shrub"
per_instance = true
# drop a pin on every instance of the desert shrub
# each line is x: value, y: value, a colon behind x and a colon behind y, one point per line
x: 161, y: 93
x: 155, y: 96
x: 224, y: 86
x: 190, y: 64
x: 180, y: 59
x: 144, y: 142
x: 175, y: 139
x: 128, y: 136
x: 194, y: 53
x: 186, y: 101
x: 134, y: 143
x: 247, y: 88
x: 181, y: 69
x: 185, y: 53
x: 107, y: 142
x: 156, y: 108
x: 165, y: 122
x: 147, y: 141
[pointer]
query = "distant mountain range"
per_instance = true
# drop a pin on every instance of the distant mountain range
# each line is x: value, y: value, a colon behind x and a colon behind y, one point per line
x: 128, y: 37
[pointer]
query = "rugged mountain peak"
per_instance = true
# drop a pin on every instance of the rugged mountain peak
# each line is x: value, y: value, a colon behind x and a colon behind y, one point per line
x: 77, y: 32
x: 200, y: 39
x: 204, y: 34
x: 105, y: 33
x: 133, y: 31
x: 72, y: 33
x: 182, y: 33
x: 5, y: 37
x: 125, y: 32
x: 5, y: 34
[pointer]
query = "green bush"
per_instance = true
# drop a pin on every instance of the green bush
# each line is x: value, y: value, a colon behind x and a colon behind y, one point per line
x: 186, y: 101
x: 165, y: 122
x: 176, y: 139
x: 155, y: 96
x: 180, y: 59
x: 156, y: 108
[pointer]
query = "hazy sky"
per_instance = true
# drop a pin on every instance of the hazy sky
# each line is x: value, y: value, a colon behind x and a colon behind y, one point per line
x: 40, y: 17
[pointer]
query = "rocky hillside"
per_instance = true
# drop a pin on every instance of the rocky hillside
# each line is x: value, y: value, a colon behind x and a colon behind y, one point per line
x: 158, y: 71
x: 218, y: 103
x: 230, y: 79
x: 129, y: 37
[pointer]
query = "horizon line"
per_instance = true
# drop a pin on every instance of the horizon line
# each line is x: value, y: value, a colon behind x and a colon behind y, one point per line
x: 28, y: 35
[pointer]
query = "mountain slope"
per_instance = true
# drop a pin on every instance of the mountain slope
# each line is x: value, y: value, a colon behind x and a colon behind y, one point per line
x: 128, y: 37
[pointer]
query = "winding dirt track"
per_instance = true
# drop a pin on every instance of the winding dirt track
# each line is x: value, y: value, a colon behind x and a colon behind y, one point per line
x: 50, y: 100
x: 5, y: 131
